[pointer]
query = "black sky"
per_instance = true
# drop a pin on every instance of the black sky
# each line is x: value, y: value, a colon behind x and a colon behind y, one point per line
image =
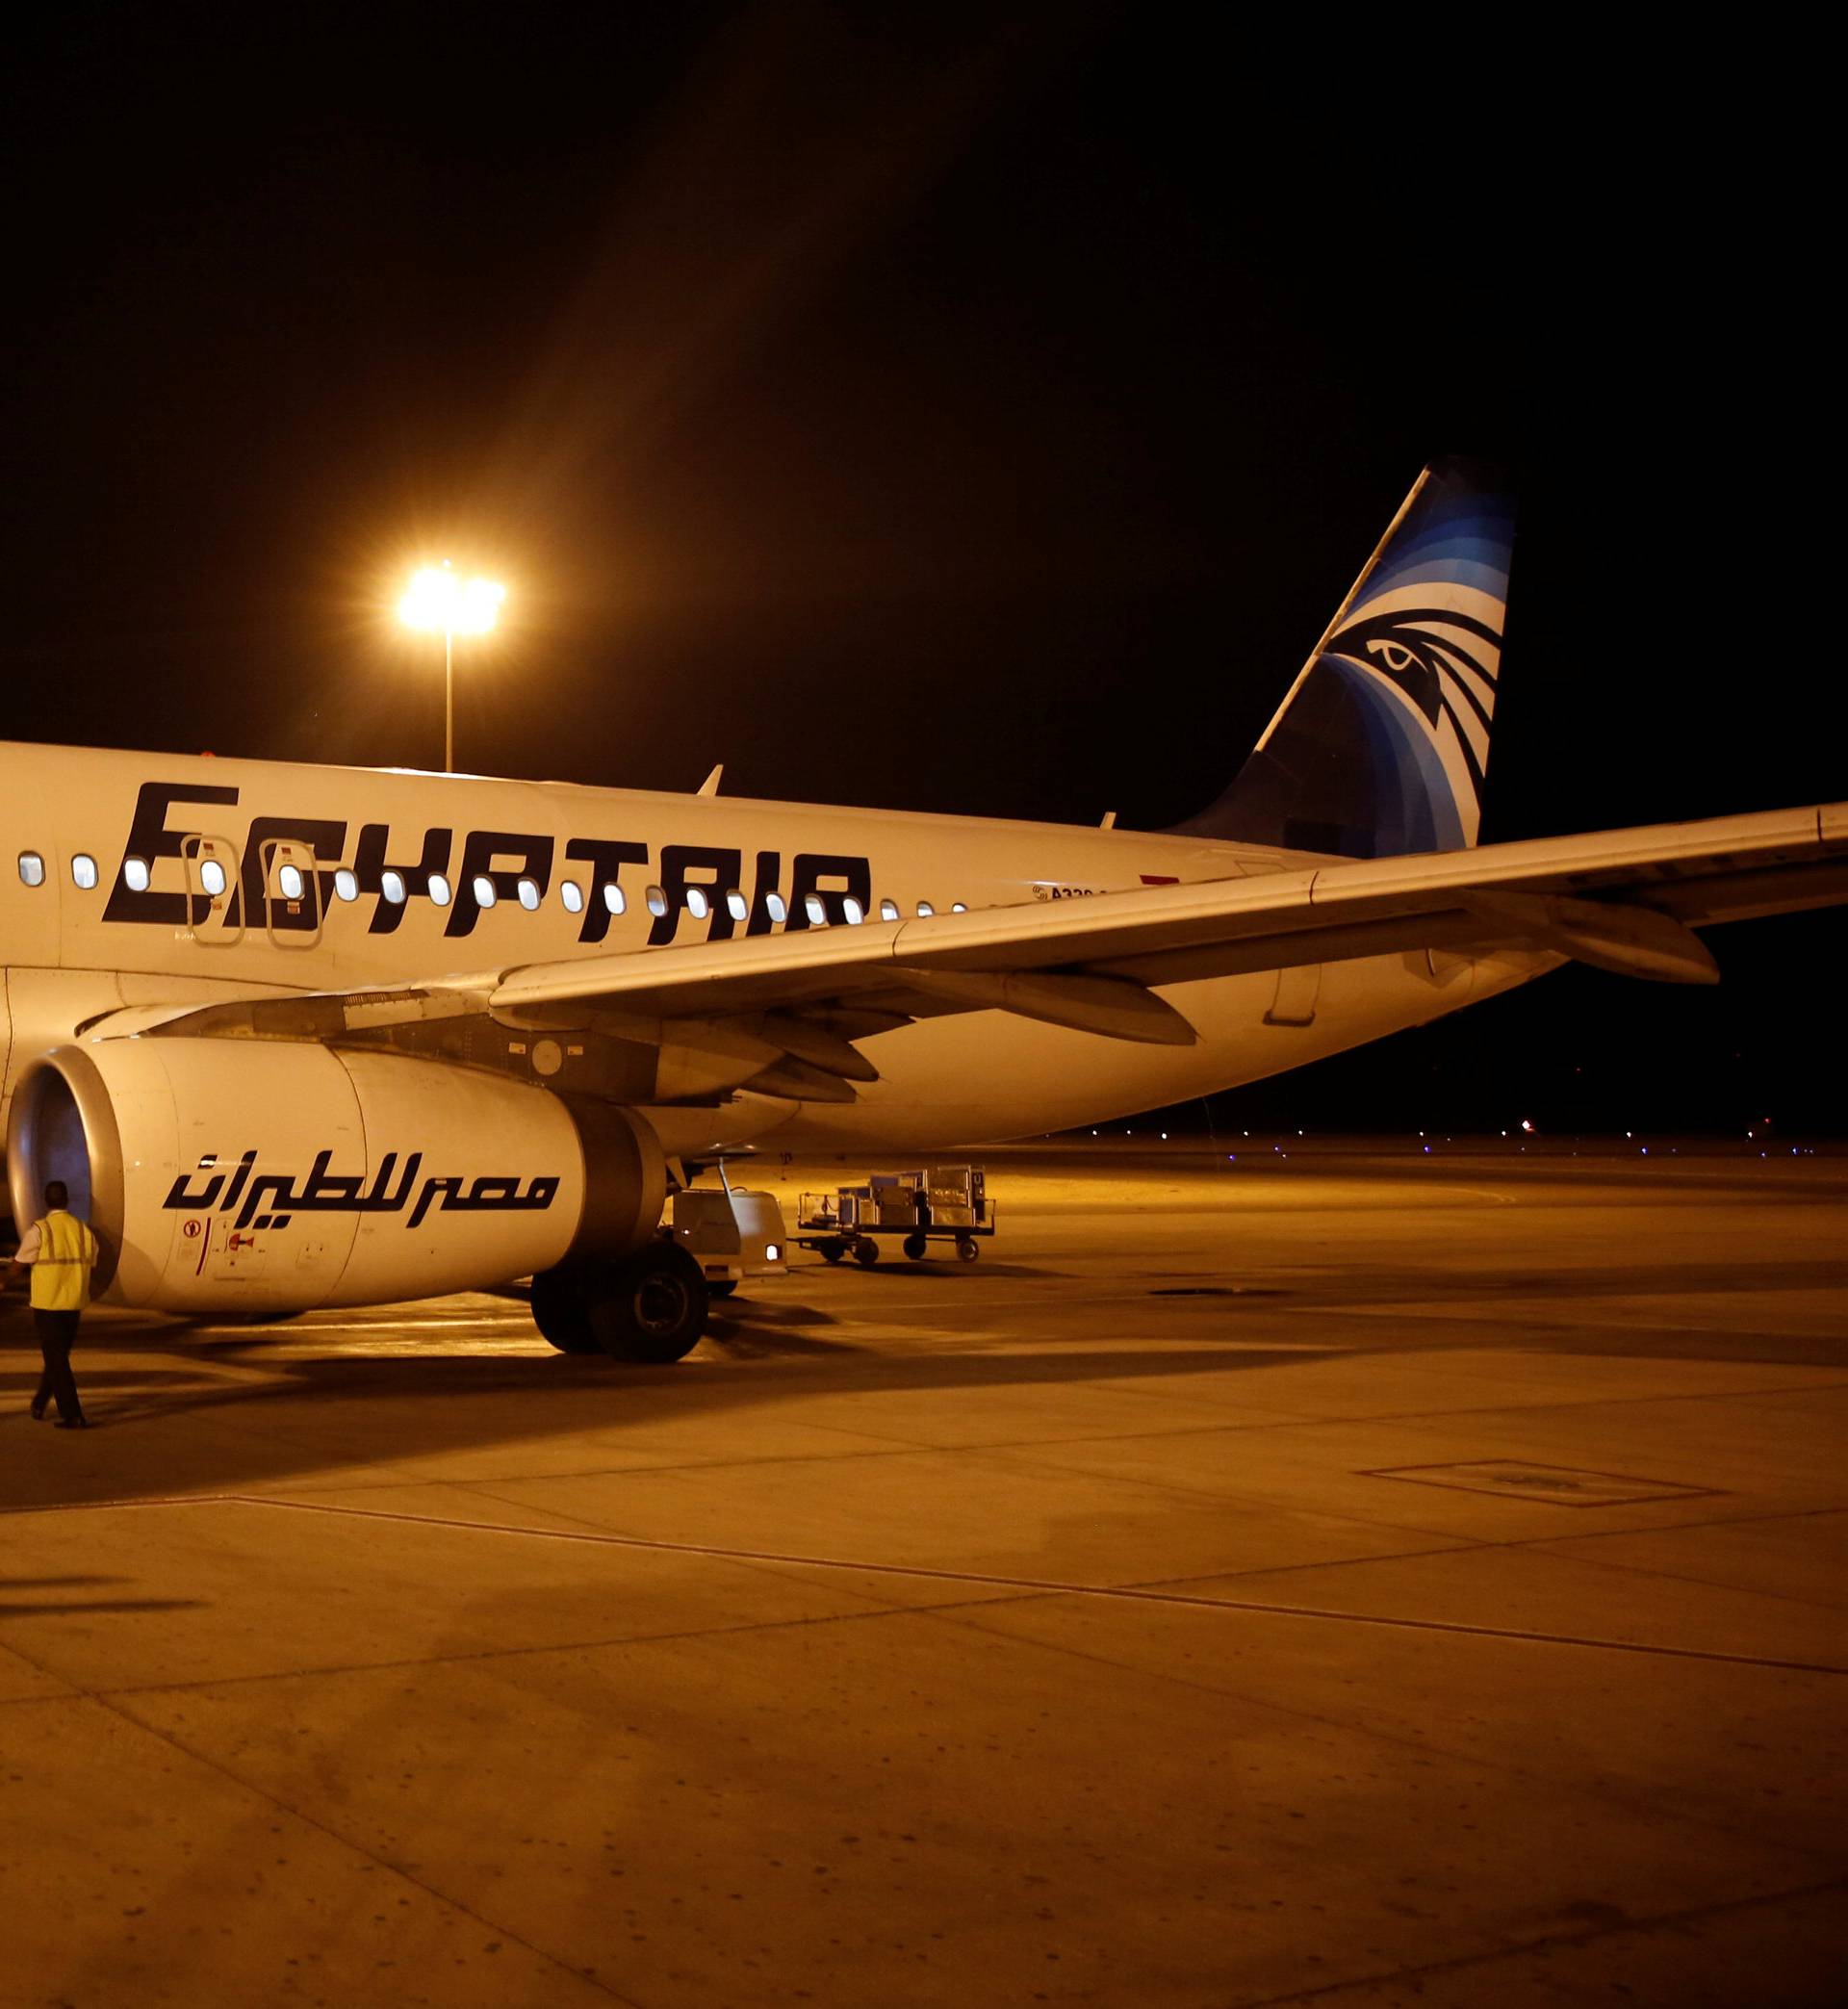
x: 962, y: 409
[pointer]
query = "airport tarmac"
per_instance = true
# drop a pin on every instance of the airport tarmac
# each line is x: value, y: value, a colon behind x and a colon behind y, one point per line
x: 1350, y: 1580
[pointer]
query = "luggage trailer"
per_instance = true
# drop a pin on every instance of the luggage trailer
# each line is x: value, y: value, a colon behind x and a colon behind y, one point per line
x: 946, y: 1203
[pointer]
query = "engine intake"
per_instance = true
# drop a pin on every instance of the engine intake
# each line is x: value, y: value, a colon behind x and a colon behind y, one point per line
x: 225, y: 1176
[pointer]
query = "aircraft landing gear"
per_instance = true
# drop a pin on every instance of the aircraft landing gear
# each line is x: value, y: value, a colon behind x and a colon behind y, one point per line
x: 651, y: 1306
x: 560, y: 1312
x: 648, y: 1308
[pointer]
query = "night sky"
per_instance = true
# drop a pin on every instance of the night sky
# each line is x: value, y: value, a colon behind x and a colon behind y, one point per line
x: 975, y: 411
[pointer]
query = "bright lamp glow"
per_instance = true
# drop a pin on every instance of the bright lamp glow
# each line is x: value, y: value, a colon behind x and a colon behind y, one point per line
x: 438, y: 599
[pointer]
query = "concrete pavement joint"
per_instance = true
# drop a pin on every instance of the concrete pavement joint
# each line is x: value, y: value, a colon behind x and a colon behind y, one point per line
x: 1034, y: 1586
x: 1246, y: 1503
x: 1263, y: 1502
x: 1659, y: 1922
x: 1046, y: 1586
x: 359, y: 1848
x: 966, y: 1613
x: 1470, y: 1545
x: 970, y: 1617
x: 482, y: 1654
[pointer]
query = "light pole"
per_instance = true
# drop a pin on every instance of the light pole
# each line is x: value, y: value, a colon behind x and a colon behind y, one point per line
x: 438, y: 599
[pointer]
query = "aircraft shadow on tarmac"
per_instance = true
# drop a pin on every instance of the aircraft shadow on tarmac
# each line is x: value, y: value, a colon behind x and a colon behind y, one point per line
x: 300, y: 1395
x: 304, y: 1412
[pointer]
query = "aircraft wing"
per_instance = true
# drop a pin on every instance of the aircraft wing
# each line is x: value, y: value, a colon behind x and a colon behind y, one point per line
x: 794, y: 1002
x: 1624, y: 899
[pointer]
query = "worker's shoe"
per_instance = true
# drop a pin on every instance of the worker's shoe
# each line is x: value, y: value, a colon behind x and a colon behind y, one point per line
x: 71, y: 1423
x: 38, y: 1409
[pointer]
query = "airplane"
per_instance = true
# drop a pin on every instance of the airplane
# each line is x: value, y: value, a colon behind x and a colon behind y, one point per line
x: 301, y: 1036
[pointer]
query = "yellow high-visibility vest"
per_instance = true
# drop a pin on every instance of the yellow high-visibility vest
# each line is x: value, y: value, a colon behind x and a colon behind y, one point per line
x: 60, y: 1274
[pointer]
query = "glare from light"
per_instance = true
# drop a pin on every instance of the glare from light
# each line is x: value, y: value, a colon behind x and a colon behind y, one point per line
x: 437, y: 598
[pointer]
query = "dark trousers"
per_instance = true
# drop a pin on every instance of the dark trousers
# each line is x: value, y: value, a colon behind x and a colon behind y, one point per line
x: 56, y: 1331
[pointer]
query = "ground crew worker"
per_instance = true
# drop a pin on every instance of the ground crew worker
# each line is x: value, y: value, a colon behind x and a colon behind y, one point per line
x: 61, y: 1251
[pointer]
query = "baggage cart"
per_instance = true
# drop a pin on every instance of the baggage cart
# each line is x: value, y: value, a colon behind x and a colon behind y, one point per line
x: 944, y: 1204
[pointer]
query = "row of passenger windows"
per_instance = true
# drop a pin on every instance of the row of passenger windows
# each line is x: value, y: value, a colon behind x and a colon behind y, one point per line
x: 291, y: 885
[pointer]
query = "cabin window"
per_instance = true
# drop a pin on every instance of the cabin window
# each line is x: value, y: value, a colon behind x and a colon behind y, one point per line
x: 957, y: 907
x: 135, y: 874
x: 290, y: 883
x: 529, y: 895
x: 817, y: 913
x: 346, y: 884
x: 32, y: 869
x: 83, y: 871
x: 853, y: 909
x: 392, y: 885
x: 888, y: 910
x: 483, y: 889
x: 925, y: 909
x: 438, y: 889
x: 211, y: 877
x: 656, y: 902
x: 616, y: 900
x: 573, y: 895
x: 777, y: 907
x: 734, y: 904
x: 697, y: 903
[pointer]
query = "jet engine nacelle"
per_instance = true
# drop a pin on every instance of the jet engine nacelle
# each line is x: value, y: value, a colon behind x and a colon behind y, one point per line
x: 229, y: 1176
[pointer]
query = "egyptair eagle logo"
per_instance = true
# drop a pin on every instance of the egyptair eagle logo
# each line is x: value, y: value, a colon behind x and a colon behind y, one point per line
x: 1443, y: 661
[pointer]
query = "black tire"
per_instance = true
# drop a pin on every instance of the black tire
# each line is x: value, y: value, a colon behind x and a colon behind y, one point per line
x: 867, y: 1252
x: 833, y: 1252
x: 722, y: 1287
x: 561, y: 1313
x: 917, y: 1247
x: 967, y: 1248
x: 650, y: 1307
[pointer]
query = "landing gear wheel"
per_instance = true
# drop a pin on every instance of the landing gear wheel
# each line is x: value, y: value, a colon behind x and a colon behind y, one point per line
x: 831, y: 1251
x: 867, y: 1252
x: 967, y: 1248
x: 560, y: 1312
x: 917, y: 1247
x: 649, y: 1306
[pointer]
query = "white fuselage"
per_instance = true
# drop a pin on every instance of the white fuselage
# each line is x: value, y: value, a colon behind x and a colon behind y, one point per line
x: 218, y: 914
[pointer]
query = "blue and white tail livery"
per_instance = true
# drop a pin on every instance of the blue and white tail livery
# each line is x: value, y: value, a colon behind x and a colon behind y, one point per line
x: 1381, y: 746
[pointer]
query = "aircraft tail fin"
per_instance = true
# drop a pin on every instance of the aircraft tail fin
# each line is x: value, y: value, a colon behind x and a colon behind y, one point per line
x: 1381, y: 745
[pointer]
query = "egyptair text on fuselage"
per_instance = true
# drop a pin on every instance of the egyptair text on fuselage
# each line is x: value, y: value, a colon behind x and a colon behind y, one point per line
x: 501, y: 857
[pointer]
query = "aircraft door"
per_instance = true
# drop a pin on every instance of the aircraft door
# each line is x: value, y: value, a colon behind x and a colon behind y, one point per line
x: 211, y: 885
x: 6, y: 1052
x: 291, y: 892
